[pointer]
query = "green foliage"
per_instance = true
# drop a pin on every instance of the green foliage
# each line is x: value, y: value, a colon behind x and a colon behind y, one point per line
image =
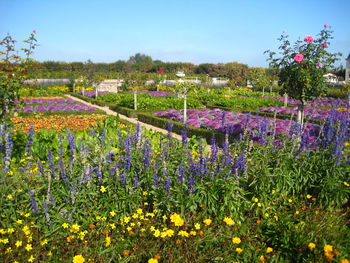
x: 12, y: 70
x: 302, y: 65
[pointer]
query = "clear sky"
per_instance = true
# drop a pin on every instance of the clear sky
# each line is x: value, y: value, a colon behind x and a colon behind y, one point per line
x: 196, y: 31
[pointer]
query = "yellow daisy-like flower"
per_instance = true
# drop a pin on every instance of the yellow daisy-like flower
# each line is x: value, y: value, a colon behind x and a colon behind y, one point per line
x: 27, y: 215
x: 269, y: 249
x: 65, y: 225
x: 108, y: 241
x: 78, y: 259
x: 19, y: 221
x: 31, y: 259
x: 139, y: 211
x: 308, y: 196
x: 328, y: 248
x: 239, y: 250
x: 344, y: 261
x: 228, y: 221
x: 346, y: 184
x: 75, y: 228
x: 197, y: 226
x: 103, y: 189
x: 28, y: 247
x: 183, y: 233
x: 10, y: 196
x: 153, y: 260
x: 112, y: 213
x: 207, y: 221
x: 311, y: 245
x: 18, y: 243
x: 236, y: 240
x: 44, y: 242
x: 10, y: 230
x: 193, y: 233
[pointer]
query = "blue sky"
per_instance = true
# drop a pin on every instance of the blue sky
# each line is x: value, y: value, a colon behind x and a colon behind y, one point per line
x: 196, y: 31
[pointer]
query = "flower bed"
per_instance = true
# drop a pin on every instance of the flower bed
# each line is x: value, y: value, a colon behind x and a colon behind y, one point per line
x: 56, y: 122
x: 311, y: 113
x: 53, y: 105
x: 232, y: 122
x: 317, y: 102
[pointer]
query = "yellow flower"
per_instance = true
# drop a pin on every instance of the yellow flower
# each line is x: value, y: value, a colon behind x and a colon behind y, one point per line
x: 207, y: 221
x: 344, y: 261
x: 112, y: 213
x: 311, y: 245
x: 228, y: 221
x: 170, y: 232
x: 10, y: 230
x: 8, y: 250
x: 346, y: 183
x: 65, y: 225
x: 75, y: 228
x: 259, y: 205
x: 256, y: 200
x: 269, y: 249
x: 308, y: 196
x: 153, y: 260
x: 276, y: 218
x: 183, y: 233
x: 267, y: 215
x: 31, y: 259
x: 27, y: 214
x: 20, y: 190
x: 28, y: 247
x: 49, y: 254
x: 239, y: 250
x: 290, y: 200
x: 144, y: 193
x: 112, y: 226
x: 18, y: 243
x: 156, y: 233
x: 193, y: 233
x: 44, y: 242
x: 328, y: 248
x: 103, y: 189
x: 9, y: 196
x: 262, y: 259
x: 236, y: 240
x: 197, y: 226
x: 26, y: 230
x: 108, y: 240
x: 78, y: 259
x: 177, y: 220
x: 297, y: 212
x: 139, y: 211
x: 19, y: 221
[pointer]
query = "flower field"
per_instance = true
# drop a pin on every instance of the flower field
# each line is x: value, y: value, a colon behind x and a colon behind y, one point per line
x: 122, y: 194
x: 55, y: 104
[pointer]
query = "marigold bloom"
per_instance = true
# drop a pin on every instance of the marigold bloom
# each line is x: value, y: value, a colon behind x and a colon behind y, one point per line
x: 328, y: 248
x: 298, y: 58
x: 75, y: 228
x: 236, y: 240
x: 262, y: 259
x: 78, y: 259
x: 344, y: 261
x: 311, y: 245
x: 126, y: 252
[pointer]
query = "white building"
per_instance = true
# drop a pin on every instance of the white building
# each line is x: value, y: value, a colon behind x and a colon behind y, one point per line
x: 347, y: 69
x: 330, y: 78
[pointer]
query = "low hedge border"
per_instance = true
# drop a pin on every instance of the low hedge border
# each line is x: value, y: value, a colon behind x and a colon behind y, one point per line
x: 178, y: 127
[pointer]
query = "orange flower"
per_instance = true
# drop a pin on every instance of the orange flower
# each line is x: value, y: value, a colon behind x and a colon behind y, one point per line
x: 126, y: 252
x: 92, y: 226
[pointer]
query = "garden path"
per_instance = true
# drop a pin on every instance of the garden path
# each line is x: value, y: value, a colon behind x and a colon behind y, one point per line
x: 132, y: 120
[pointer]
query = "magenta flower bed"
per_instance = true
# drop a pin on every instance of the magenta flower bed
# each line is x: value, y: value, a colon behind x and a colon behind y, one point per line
x: 53, y: 105
x: 154, y: 93
x: 232, y: 122
x: 317, y: 102
x: 312, y: 113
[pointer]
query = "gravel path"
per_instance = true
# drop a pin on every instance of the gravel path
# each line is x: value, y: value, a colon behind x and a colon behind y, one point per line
x: 132, y: 120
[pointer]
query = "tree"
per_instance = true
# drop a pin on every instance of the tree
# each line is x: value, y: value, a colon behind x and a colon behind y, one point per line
x: 13, y: 69
x: 139, y: 58
x: 303, y: 65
